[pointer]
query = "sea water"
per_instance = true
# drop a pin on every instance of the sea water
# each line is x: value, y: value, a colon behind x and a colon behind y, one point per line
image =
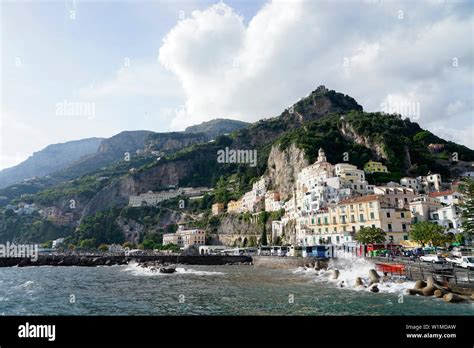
x: 207, y: 290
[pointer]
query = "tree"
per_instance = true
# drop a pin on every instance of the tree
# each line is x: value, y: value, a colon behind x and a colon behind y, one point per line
x: 103, y: 247
x: 148, y: 244
x: 467, y: 208
x: 263, y: 217
x: 88, y: 243
x: 424, y: 232
x: 370, y: 235
x: 221, y: 191
x: 128, y: 245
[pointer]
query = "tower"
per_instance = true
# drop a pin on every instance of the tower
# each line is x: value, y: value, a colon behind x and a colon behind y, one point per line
x: 321, y: 156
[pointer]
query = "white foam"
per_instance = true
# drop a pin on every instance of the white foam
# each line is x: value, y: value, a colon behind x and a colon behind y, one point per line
x: 136, y: 269
x: 350, y: 268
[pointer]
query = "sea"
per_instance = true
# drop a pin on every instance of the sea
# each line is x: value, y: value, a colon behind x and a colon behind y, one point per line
x: 234, y: 290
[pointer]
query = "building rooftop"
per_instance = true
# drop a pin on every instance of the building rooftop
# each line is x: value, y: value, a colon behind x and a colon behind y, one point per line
x: 441, y: 193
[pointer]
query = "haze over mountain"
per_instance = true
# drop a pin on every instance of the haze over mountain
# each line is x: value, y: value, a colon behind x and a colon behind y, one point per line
x: 52, y: 158
x: 74, y: 158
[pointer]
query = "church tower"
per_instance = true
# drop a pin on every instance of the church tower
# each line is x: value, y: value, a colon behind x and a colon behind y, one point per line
x: 321, y: 156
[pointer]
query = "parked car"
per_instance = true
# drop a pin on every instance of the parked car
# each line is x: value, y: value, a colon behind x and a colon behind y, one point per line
x: 467, y: 262
x: 431, y: 258
x: 454, y: 260
x: 418, y: 252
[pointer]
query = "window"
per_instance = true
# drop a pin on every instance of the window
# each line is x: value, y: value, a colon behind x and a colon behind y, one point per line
x: 404, y: 227
x: 389, y: 227
x: 361, y: 217
x: 388, y: 214
x: 372, y: 216
x: 334, y: 220
x: 402, y: 215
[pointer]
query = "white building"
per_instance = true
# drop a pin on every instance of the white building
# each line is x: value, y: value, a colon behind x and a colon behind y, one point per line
x: 396, y: 195
x: 447, y: 197
x: 431, y: 182
x: 153, y: 198
x: 422, y: 207
x: 411, y: 183
x: 349, y: 172
x: 449, y: 217
x: 57, y: 243
x: 272, y: 201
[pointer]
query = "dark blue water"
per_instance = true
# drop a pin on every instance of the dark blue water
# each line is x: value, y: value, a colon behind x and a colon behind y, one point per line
x: 203, y: 290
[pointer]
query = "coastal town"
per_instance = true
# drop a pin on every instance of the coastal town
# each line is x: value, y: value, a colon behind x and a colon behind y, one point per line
x: 330, y: 203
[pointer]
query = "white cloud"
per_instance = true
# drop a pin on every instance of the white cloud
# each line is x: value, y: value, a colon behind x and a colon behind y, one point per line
x: 229, y: 69
x: 136, y: 78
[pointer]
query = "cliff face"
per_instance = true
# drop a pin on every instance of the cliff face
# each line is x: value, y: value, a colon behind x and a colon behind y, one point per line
x: 348, y: 133
x: 235, y: 230
x: 171, y: 142
x: 119, y: 191
x: 115, y: 194
x: 283, y: 168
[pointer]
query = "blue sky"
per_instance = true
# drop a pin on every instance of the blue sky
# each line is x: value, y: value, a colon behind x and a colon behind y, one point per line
x: 160, y: 66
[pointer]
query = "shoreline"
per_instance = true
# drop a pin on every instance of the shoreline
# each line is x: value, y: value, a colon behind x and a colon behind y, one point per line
x: 108, y: 260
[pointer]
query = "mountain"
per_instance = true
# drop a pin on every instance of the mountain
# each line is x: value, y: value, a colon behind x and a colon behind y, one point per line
x: 284, y: 144
x: 325, y: 119
x: 109, y: 150
x: 216, y: 127
x: 49, y: 160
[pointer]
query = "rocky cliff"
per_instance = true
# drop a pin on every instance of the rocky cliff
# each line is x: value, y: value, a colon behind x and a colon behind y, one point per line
x: 283, y: 168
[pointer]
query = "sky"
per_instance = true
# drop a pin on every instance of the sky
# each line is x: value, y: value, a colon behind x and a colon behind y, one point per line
x: 80, y: 69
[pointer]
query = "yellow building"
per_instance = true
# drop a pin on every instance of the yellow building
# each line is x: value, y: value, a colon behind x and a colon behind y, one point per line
x: 234, y: 207
x: 375, y: 167
x: 217, y: 208
x: 339, y: 222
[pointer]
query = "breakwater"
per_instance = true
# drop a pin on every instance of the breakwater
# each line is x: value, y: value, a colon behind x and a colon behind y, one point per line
x: 94, y: 260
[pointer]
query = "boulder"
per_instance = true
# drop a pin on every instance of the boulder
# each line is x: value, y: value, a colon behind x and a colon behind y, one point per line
x: 420, y: 284
x: 428, y: 290
x: 414, y: 292
x: 453, y: 298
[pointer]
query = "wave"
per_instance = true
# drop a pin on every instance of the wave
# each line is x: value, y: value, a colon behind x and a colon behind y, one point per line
x: 136, y: 269
x: 350, y: 268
